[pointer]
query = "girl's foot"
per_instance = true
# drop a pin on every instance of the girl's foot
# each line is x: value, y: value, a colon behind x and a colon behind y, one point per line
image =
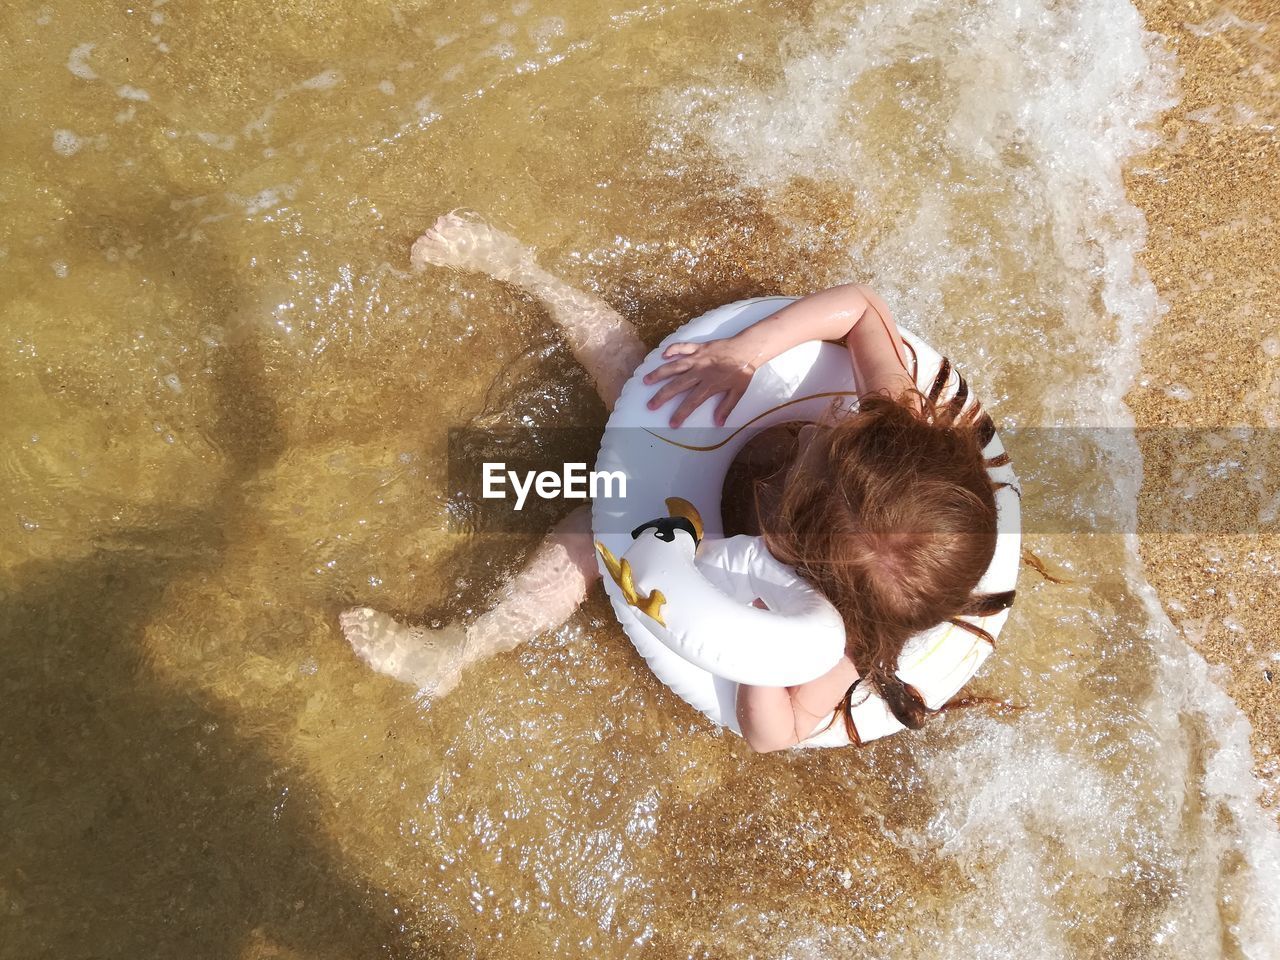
x: 468, y: 243
x: 431, y: 660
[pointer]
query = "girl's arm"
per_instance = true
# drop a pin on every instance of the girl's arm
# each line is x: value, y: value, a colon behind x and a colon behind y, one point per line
x: 774, y: 718
x: 851, y: 312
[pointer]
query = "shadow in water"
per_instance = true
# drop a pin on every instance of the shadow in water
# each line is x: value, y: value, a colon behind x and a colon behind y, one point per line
x: 138, y: 818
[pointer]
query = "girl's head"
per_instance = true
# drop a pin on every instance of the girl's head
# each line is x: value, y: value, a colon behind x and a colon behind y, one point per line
x: 890, y: 513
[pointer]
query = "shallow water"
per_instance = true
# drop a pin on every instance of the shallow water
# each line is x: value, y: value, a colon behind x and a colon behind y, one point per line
x: 226, y: 402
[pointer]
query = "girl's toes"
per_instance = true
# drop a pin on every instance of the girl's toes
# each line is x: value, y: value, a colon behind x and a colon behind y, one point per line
x: 418, y: 252
x: 356, y: 625
x: 427, y: 251
x: 369, y: 632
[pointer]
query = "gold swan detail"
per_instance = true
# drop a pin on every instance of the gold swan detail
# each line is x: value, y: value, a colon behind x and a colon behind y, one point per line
x: 620, y: 570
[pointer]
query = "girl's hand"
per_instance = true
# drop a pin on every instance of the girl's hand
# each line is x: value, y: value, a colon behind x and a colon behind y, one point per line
x: 701, y: 371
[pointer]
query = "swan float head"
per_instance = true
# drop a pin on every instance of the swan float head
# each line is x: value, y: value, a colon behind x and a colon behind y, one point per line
x: 681, y: 530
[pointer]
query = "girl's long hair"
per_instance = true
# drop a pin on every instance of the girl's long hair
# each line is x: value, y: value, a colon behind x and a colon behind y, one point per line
x: 891, y: 513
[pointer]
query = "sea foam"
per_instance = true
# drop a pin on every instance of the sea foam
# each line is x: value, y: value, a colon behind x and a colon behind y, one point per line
x: 984, y: 146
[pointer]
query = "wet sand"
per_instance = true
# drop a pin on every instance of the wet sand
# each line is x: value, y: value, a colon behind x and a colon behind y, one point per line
x: 1210, y: 197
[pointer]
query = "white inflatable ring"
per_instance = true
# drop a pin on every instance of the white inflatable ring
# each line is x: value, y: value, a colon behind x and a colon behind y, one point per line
x: 700, y: 633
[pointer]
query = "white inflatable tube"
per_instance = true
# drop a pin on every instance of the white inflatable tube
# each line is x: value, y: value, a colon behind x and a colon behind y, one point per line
x: 712, y: 628
x: 687, y: 607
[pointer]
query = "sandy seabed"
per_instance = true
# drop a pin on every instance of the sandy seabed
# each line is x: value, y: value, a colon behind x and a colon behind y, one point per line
x: 1210, y: 194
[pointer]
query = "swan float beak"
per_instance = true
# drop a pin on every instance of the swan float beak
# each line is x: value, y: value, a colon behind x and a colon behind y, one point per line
x: 680, y: 507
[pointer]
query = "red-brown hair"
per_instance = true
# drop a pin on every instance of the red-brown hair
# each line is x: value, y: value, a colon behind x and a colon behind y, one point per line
x: 891, y: 513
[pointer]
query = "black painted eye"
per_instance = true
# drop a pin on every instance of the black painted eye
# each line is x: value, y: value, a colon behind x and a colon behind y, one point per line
x: 664, y: 528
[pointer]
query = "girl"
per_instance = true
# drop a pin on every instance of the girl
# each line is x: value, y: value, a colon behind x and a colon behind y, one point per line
x: 889, y: 512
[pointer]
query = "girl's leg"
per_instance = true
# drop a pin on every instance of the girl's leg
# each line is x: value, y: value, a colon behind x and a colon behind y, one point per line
x: 541, y: 597
x: 601, y: 340
x: 555, y: 581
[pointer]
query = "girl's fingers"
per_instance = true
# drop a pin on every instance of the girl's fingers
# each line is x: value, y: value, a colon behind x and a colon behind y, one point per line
x: 726, y: 405
x: 680, y: 350
x: 689, y: 404
x: 667, y: 370
x: 672, y: 388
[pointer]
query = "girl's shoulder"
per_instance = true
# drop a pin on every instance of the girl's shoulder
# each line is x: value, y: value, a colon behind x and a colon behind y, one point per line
x: 815, y: 701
